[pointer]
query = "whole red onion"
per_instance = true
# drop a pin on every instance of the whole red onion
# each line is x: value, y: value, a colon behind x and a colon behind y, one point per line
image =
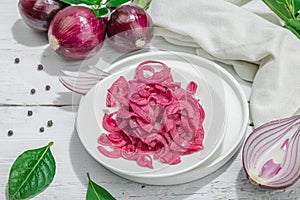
x: 38, y: 14
x: 129, y: 28
x: 75, y: 33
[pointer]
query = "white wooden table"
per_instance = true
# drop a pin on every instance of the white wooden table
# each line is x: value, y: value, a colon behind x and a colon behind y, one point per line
x: 60, y: 105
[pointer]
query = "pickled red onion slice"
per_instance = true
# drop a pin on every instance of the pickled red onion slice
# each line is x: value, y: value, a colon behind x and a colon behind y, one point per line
x: 156, y: 118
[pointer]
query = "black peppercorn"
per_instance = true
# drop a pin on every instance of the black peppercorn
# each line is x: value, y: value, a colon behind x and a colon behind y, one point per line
x: 17, y: 60
x: 47, y: 87
x: 50, y: 123
x: 40, y: 67
x: 10, y: 133
x: 42, y: 129
x: 32, y: 91
x: 29, y: 113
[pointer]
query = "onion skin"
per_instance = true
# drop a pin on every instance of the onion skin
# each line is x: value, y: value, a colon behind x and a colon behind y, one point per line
x: 271, y: 154
x: 129, y: 28
x: 37, y: 14
x: 75, y: 33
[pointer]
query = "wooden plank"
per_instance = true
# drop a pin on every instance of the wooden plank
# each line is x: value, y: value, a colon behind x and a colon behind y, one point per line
x: 73, y: 162
x: 60, y: 105
x: 17, y: 80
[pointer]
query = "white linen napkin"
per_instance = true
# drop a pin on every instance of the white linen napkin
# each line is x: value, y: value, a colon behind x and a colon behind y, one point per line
x: 258, y: 48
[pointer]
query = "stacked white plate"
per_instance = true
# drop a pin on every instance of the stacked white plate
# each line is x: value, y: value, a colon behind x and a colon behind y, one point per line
x: 225, y: 124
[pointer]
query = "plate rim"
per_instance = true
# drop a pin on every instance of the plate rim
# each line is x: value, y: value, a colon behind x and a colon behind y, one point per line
x: 186, y: 56
x: 220, y: 161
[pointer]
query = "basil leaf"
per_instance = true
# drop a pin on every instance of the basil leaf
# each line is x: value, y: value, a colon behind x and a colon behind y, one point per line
x: 98, y: 2
x: 31, y: 173
x: 280, y: 8
x: 76, y: 2
x: 96, y: 192
x: 143, y: 4
x: 296, y: 6
x: 116, y: 3
x: 100, y: 12
x: 293, y: 30
x: 294, y: 23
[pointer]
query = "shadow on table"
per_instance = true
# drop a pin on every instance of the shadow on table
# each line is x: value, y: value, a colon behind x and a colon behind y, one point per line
x: 6, y: 192
x: 54, y: 63
x: 186, y: 189
x: 27, y: 36
x: 82, y: 163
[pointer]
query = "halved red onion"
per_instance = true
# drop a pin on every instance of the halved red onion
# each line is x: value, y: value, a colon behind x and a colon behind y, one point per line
x: 75, y: 33
x: 38, y: 14
x: 129, y: 28
x: 271, y: 153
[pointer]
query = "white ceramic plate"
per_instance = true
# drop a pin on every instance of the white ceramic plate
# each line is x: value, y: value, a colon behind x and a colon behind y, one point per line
x: 184, y: 68
x: 237, y: 116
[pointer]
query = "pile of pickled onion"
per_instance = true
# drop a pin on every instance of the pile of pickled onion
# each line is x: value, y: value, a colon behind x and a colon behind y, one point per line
x: 155, y: 119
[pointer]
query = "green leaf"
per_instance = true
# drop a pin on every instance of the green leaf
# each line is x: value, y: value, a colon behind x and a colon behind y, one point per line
x: 96, y: 192
x: 282, y: 8
x: 144, y: 4
x: 98, y: 2
x: 288, y: 10
x: 293, y: 30
x: 294, y: 23
x: 296, y: 6
x: 100, y: 12
x: 76, y: 2
x: 31, y: 173
x: 116, y: 3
